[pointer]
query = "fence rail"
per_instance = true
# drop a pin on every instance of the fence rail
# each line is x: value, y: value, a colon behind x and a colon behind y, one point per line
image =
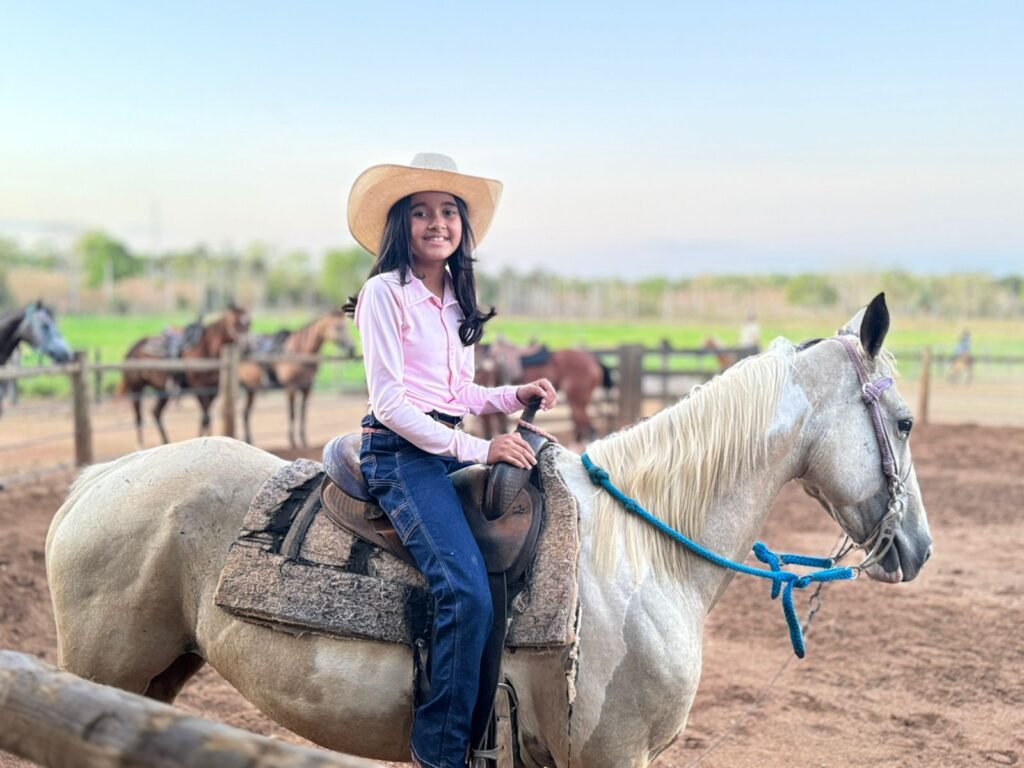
x: 643, y: 375
x: 58, y: 719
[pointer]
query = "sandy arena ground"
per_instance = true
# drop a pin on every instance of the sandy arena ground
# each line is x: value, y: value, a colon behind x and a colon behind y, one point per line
x: 929, y: 673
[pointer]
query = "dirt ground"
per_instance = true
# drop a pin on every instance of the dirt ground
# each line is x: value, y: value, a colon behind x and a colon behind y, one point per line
x: 929, y: 673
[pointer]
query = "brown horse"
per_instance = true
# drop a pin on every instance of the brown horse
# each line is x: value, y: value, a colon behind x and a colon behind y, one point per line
x: 232, y: 326
x: 292, y: 377
x: 576, y: 373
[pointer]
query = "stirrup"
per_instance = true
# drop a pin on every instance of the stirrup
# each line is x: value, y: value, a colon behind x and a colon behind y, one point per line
x: 501, y: 747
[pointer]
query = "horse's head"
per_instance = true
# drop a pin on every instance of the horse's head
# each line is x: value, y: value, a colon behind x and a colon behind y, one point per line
x: 236, y: 324
x: 39, y: 330
x: 336, y: 331
x: 858, y: 464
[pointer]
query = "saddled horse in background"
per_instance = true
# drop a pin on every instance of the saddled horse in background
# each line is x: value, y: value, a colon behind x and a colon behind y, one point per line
x: 709, y: 466
x: 36, y: 326
x: 292, y: 377
x: 196, y: 341
x: 576, y: 373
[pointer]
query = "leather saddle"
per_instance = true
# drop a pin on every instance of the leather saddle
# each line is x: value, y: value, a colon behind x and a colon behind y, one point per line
x: 503, y: 509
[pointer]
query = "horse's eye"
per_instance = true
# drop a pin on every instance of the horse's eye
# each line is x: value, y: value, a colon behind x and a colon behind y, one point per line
x: 905, y: 425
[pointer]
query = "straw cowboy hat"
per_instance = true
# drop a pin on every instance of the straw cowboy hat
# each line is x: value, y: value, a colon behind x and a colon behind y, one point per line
x: 380, y: 187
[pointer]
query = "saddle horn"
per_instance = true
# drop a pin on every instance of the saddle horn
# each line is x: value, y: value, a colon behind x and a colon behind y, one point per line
x: 505, y: 481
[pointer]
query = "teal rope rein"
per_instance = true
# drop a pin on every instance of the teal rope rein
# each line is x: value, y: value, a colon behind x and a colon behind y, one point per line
x: 783, y: 582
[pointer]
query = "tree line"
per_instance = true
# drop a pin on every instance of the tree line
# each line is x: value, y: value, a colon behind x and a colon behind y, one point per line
x: 104, y: 274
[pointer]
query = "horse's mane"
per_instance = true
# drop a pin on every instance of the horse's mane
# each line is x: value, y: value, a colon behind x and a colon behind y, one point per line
x: 679, y: 461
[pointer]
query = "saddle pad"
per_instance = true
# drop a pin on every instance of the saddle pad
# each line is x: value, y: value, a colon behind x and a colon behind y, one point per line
x: 337, y: 584
x: 155, y: 346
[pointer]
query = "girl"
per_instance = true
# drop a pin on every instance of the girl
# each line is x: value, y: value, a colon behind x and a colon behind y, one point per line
x: 418, y: 318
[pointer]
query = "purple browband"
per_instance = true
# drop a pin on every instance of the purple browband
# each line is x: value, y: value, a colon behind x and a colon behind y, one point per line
x: 871, y: 391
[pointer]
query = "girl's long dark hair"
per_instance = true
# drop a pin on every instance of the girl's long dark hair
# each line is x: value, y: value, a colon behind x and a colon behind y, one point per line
x: 396, y: 253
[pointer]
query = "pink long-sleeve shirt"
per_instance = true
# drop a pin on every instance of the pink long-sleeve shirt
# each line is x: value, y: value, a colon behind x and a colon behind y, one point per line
x: 416, y: 363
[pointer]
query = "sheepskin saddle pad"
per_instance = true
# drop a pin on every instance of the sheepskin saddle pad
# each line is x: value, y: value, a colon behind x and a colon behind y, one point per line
x: 293, y: 569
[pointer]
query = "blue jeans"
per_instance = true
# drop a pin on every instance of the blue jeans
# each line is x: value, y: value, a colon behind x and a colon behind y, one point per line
x: 414, y: 490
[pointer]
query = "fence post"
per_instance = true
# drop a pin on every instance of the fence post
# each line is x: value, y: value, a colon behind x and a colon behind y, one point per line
x: 666, y: 393
x: 80, y: 402
x: 924, y: 385
x: 228, y: 386
x: 631, y: 379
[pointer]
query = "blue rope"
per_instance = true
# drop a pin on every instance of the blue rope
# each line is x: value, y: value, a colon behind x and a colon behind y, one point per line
x: 783, y: 582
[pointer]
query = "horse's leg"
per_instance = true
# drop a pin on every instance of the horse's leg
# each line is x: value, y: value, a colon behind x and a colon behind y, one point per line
x: 302, y: 418
x: 137, y: 406
x: 578, y: 395
x: 250, y: 396
x: 158, y: 410
x: 291, y: 418
x: 204, y: 423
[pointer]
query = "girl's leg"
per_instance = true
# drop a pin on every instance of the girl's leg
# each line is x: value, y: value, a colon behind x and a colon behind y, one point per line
x: 414, y: 489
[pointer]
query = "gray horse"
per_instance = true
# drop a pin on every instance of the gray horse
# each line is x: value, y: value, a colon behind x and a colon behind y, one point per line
x: 133, y: 595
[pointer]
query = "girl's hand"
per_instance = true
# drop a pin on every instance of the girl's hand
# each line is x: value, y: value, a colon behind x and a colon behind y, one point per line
x: 511, y: 449
x: 540, y: 388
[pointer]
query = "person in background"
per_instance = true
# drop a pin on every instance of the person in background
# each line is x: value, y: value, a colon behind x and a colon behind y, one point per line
x: 750, y: 332
x: 962, y: 365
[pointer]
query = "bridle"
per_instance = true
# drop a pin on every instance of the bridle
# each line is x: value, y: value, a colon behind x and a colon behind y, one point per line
x: 880, y: 540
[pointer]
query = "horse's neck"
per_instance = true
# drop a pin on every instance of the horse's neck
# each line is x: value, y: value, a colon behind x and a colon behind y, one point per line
x: 213, y: 339
x: 738, y: 514
x: 308, y: 339
x: 9, y: 337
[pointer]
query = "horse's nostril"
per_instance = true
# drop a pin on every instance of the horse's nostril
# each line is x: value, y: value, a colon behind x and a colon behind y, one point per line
x: 927, y: 554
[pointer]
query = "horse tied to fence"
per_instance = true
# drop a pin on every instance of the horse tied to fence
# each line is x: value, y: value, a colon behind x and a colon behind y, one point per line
x: 195, y: 342
x: 35, y: 325
x: 134, y: 597
x: 576, y: 373
x: 293, y: 377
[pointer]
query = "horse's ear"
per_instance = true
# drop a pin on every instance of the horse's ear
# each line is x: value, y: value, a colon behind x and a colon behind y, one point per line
x: 874, y: 326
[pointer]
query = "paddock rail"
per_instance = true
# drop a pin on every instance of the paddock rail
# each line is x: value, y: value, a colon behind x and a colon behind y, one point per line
x: 60, y: 720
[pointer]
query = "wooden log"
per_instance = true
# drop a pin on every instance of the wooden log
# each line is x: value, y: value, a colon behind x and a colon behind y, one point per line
x: 80, y: 402
x: 57, y: 719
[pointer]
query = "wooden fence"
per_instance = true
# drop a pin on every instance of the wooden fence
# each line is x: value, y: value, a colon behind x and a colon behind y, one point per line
x: 642, y: 374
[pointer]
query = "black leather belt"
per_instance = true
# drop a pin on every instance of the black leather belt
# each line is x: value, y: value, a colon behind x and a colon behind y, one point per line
x: 452, y: 422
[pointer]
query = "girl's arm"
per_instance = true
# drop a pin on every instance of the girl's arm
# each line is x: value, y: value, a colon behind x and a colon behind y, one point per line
x: 379, y: 319
x: 482, y: 400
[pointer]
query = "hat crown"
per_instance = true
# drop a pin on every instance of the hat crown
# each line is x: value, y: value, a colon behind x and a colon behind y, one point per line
x: 433, y: 161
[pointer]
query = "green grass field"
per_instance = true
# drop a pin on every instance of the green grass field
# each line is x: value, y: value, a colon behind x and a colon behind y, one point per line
x: 110, y: 336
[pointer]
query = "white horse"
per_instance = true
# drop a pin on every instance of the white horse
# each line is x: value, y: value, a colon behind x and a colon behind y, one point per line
x: 133, y: 558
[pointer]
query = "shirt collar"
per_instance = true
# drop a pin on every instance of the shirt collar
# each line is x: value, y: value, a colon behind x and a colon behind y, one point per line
x: 416, y: 292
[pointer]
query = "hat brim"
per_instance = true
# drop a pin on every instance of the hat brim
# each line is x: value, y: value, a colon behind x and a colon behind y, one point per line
x: 380, y: 187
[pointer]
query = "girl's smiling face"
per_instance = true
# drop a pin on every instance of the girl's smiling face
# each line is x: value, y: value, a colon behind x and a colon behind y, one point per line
x: 435, y: 227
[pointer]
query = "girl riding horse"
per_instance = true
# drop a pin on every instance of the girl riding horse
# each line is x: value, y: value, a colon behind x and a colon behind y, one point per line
x: 418, y: 318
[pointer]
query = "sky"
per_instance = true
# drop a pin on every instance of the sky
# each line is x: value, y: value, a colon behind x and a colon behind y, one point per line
x: 633, y: 139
